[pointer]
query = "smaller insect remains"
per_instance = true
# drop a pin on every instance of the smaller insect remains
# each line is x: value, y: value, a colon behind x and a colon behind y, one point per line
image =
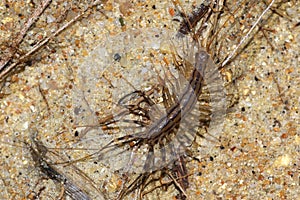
x: 190, y: 21
x: 38, y: 156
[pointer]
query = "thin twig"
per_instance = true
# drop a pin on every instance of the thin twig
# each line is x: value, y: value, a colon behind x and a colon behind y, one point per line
x: 45, y: 41
x: 247, y: 35
x: 37, y: 13
x: 177, y: 184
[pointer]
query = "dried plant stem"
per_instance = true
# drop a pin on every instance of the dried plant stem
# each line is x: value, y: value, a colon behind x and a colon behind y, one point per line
x: 37, y: 13
x: 247, y: 35
x: 5, y: 70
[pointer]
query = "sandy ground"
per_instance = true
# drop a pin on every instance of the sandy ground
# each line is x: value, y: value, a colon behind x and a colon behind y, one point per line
x: 75, y: 80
